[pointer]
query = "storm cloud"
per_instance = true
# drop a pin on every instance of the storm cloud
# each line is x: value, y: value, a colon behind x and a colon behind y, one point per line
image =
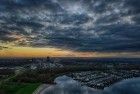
x: 79, y: 25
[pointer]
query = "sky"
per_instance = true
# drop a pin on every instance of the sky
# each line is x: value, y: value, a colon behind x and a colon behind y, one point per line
x: 70, y: 28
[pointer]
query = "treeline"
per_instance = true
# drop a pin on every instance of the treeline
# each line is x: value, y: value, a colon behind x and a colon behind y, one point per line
x: 6, y: 71
x: 14, y: 62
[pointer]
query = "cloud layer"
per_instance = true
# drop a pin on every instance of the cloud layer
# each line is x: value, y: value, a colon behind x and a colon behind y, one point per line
x: 79, y: 25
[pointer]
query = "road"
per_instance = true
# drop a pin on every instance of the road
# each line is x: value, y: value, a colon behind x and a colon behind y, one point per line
x: 42, y: 88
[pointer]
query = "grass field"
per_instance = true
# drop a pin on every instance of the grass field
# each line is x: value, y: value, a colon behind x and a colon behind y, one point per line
x: 22, y: 88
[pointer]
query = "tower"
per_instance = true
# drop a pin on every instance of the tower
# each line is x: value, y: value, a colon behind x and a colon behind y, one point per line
x: 48, y: 59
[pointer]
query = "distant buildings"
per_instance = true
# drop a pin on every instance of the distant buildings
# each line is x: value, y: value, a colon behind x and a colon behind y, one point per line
x: 43, y: 63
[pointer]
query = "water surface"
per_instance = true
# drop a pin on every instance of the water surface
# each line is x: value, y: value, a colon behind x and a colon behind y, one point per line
x: 66, y: 85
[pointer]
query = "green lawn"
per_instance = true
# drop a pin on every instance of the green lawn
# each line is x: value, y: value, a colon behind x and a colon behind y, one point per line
x: 14, y: 88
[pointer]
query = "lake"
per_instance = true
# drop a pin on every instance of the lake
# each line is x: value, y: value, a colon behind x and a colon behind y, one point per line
x: 66, y: 85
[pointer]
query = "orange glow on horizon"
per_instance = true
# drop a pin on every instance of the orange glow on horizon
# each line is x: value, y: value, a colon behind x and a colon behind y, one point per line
x: 14, y: 51
x: 42, y: 52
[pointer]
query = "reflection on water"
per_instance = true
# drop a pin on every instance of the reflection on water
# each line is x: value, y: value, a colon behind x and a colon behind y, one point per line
x: 130, y: 86
x: 66, y: 85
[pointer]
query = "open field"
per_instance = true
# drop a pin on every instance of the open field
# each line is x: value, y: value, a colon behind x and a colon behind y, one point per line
x: 18, y: 88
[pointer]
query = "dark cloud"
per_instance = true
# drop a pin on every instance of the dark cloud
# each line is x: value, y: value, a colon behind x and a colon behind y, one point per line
x: 75, y: 19
x: 134, y: 6
x: 81, y: 25
x: 4, y: 36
